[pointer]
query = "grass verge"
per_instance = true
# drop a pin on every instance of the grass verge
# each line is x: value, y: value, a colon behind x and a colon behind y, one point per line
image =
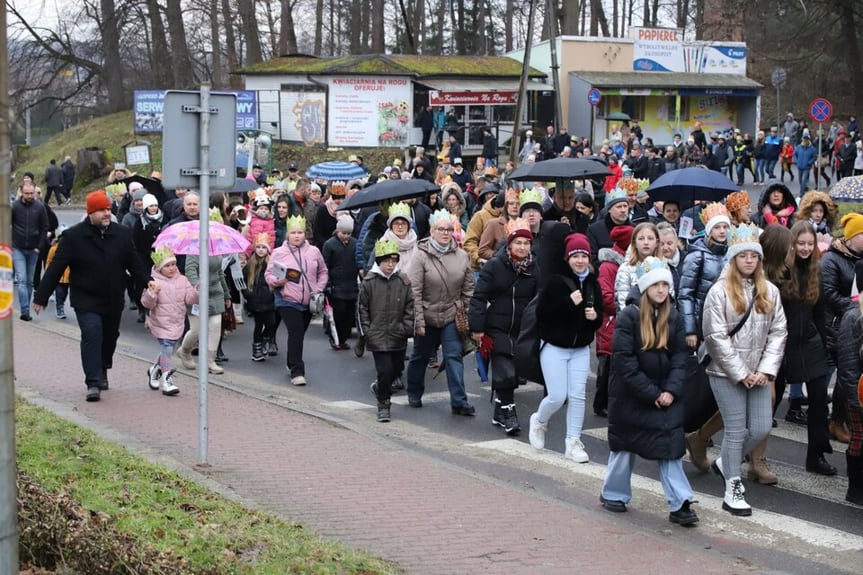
x: 149, y: 519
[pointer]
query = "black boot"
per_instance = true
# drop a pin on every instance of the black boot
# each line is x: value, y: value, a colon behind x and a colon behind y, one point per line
x: 272, y: 347
x: 510, y: 418
x: 360, y: 346
x: 497, y: 418
x: 855, y: 479
x: 142, y: 315
x: 258, y: 351
x: 220, y: 357
x: 383, y: 411
x: 795, y: 413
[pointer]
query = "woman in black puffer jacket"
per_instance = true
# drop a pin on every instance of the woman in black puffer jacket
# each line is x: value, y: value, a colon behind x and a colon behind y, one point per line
x: 646, y: 409
x: 507, y: 283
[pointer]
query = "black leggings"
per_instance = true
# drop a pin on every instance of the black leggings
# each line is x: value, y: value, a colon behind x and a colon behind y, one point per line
x: 265, y: 325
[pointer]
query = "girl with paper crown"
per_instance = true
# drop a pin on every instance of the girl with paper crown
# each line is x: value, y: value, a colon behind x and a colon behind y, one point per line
x: 260, y: 302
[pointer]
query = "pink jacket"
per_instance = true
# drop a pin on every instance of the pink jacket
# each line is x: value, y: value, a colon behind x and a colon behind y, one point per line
x: 296, y: 289
x: 168, y: 307
x: 260, y: 225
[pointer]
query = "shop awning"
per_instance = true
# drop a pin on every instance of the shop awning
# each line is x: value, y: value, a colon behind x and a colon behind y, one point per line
x: 645, y: 83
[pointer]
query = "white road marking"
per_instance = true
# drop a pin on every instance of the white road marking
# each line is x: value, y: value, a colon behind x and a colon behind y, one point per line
x: 812, y: 533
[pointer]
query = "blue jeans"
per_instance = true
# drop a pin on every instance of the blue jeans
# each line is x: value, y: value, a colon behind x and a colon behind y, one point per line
x: 803, y: 176
x: 618, y: 479
x: 424, y: 346
x: 565, y: 370
x: 24, y: 266
x: 99, y: 333
x: 760, y: 165
x: 770, y: 168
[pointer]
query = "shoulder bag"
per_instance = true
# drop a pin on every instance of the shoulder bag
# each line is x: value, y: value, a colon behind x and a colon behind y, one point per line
x: 703, y: 356
x: 317, y: 300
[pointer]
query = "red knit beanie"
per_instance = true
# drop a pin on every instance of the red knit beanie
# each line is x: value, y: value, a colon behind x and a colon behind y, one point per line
x: 621, y: 236
x: 576, y: 243
x: 98, y: 200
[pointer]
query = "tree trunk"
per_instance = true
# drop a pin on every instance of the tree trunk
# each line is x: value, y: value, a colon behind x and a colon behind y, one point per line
x: 216, y: 40
x: 597, y: 12
x: 319, y: 28
x: 699, y: 19
x: 249, y: 27
x: 653, y: 21
x: 181, y: 60
x: 682, y: 13
x: 377, y: 37
x: 231, y: 42
x: 614, y: 18
x: 571, y: 12
x: 287, y: 30
x: 507, y: 26
x: 112, y: 71
x: 645, y: 17
x: 458, y: 28
x: 852, y: 48
x: 159, y: 56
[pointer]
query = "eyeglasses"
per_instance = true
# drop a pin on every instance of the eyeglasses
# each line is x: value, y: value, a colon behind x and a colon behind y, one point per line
x: 445, y: 230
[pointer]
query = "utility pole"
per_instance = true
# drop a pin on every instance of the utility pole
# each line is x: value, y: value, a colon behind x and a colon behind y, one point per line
x: 8, y: 474
x: 522, y: 87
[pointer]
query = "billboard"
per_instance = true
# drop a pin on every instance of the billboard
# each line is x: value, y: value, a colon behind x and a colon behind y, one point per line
x: 150, y: 105
x: 664, y: 50
x: 369, y: 111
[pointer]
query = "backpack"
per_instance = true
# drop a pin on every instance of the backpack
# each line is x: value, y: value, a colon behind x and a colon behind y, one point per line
x: 527, y: 345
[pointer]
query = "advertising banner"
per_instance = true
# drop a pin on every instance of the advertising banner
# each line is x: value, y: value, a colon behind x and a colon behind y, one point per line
x: 303, y: 117
x: 657, y: 50
x: 438, y: 98
x: 150, y: 105
x: 369, y: 111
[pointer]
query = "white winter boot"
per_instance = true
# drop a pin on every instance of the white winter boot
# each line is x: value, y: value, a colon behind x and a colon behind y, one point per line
x: 155, y: 375
x: 734, y: 502
x: 212, y: 366
x: 575, y: 450
x: 168, y: 387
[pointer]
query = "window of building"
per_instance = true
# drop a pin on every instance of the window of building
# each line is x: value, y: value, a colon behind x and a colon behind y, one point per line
x: 684, y: 108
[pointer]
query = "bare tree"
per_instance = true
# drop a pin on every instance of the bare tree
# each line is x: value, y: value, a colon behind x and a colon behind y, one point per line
x: 216, y: 40
x: 249, y: 27
x: 158, y: 48
x: 377, y: 25
x: 181, y: 62
x: 287, y: 33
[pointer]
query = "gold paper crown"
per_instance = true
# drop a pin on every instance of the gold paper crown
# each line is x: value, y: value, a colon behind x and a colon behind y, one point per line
x: 384, y: 248
x: 338, y: 188
x: 530, y: 196
x: 713, y: 210
x: 515, y: 225
x: 295, y: 223
x: 737, y: 200
x: 399, y: 210
x: 511, y: 195
x: 216, y: 215
x: 118, y: 188
x: 262, y: 239
x: 162, y: 255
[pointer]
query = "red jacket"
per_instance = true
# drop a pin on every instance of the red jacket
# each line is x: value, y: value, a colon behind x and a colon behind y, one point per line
x: 609, y: 262
x: 611, y: 181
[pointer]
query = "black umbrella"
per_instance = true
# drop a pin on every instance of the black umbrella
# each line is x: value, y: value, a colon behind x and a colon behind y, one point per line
x: 245, y: 185
x: 152, y: 185
x: 559, y: 169
x: 618, y: 116
x: 691, y: 184
x: 388, y: 190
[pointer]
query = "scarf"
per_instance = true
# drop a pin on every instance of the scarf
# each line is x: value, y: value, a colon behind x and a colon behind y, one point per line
x: 581, y: 276
x: 332, y: 208
x: 147, y: 218
x: 442, y: 250
x: 520, y: 266
x: 820, y: 227
x: 405, y: 244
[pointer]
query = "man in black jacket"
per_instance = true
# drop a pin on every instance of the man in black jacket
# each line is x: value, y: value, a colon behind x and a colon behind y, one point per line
x: 489, y: 147
x: 68, y: 169
x: 98, y: 253
x: 54, y: 182
x: 29, y: 228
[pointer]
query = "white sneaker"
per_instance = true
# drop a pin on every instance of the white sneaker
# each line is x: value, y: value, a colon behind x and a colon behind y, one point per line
x: 168, y: 387
x: 575, y: 450
x: 536, y: 433
x: 298, y: 380
x: 734, y: 502
x: 155, y: 375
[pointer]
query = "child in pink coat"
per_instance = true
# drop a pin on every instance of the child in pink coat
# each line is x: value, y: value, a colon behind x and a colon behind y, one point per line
x: 167, y: 299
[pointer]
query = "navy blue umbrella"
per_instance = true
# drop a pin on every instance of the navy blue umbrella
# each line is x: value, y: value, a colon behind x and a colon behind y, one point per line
x: 690, y: 184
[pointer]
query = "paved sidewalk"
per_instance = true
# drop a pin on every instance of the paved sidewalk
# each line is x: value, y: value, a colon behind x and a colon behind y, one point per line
x: 424, y: 515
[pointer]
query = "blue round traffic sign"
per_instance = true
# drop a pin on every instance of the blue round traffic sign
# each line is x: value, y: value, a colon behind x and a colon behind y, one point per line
x: 820, y: 110
x: 594, y: 96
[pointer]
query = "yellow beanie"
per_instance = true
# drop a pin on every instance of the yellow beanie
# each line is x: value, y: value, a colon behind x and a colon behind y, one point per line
x: 852, y: 224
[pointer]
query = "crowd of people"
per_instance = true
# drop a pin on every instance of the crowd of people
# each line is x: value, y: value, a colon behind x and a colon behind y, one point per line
x: 748, y: 301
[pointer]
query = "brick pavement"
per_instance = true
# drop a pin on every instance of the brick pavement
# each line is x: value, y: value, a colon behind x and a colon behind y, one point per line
x: 424, y: 515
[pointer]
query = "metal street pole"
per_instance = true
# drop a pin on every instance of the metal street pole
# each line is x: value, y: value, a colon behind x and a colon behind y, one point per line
x: 204, y: 275
x: 555, y: 67
x: 8, y: 473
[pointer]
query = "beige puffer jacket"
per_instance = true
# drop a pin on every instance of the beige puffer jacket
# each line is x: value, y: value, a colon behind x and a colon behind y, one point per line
x: 439, y: 281
x: 758, y: 346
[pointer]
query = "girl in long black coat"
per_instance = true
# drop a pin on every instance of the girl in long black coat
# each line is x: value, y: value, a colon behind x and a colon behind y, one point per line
x: 507, y: 283
x: 646, y: 410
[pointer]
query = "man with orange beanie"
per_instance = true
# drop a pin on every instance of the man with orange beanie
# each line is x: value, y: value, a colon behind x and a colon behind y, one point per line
x: 98, y: 252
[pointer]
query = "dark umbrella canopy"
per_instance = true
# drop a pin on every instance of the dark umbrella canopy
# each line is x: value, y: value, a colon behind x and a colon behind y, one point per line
x: 691, y: 184
x: 245, y: 185
x: 152, y: 185
x: 618, y: 117
x: 388, y: 190
x: 559, y: 169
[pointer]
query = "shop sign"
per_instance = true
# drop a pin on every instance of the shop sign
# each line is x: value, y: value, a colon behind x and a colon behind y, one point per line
x: 506, y: 98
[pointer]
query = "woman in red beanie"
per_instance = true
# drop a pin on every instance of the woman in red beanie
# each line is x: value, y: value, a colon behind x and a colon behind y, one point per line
x: 568, y: 312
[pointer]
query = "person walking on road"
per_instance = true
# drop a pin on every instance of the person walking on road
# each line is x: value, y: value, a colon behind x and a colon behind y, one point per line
x: 166, y: 298
x: 386, y: 313
x: 743, y: 366
x: 99, y: 253
x: 54, y: 183
x: 507, y: 283
x: 29, y: 228
x: 850, y: 368
x: 295, y: 272
x: 68, y: 169
x: 646, y: 409
x: 568, y: 313
x: 260, y: 301
x: 442, y: 282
